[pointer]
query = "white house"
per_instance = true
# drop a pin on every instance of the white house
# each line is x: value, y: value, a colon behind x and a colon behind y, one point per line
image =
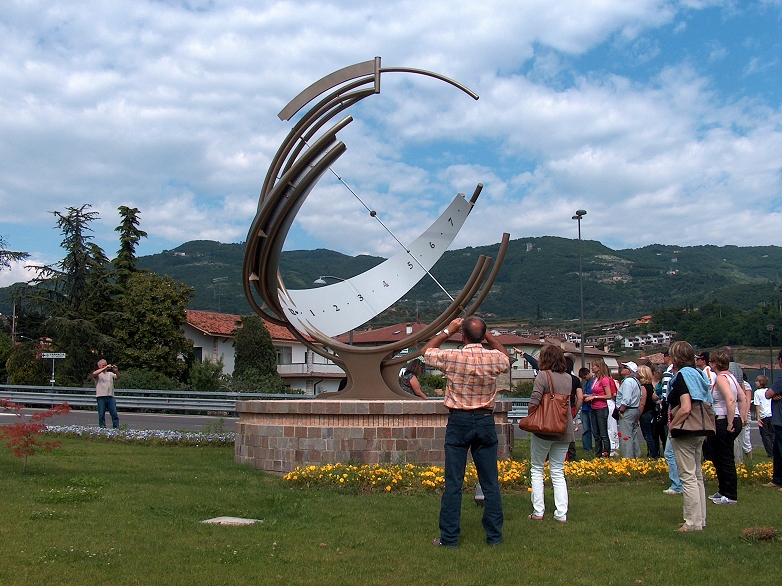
x: 213, y: 336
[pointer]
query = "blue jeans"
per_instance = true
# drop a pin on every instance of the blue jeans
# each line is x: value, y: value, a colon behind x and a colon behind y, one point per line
x: 474, y: 431
x: 586, y: 429
x: 600, y: 431
x: 111, y: 404
x: 673, y: 469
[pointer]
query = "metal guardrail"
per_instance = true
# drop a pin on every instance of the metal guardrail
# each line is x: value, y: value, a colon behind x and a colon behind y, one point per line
x: 141, y: 399
x: 519, y: 408
x: 165, y: 400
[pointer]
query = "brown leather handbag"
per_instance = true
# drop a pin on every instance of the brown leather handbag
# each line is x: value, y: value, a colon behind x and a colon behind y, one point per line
x: 550, y: 418
x: 700, y: 421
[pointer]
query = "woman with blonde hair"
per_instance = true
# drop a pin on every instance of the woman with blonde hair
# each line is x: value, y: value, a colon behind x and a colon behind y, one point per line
x: 688, y: 387
x: 602, y: 392
x: 648, y: 408
x: 552, y: 373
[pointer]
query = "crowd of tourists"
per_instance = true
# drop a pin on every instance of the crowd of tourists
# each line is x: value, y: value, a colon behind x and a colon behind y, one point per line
x: 693, y: 408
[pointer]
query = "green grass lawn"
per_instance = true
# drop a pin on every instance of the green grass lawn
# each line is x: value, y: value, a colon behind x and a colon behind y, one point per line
x: 109, y: 513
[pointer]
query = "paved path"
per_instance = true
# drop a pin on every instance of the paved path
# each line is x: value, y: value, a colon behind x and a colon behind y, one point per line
x: 164, y: 421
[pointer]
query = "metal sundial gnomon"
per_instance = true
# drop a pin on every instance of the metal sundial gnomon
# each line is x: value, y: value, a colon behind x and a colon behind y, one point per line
x: 319, y: 314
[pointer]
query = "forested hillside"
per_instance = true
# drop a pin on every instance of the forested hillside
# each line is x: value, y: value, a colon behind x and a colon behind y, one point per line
x: 539, y: 277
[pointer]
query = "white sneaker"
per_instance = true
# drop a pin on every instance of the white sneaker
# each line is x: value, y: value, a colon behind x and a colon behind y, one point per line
x: 671, y: 491
x: 723, y: 500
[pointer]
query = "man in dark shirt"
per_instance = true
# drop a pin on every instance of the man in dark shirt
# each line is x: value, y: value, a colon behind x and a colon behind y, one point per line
x: 775, y: 394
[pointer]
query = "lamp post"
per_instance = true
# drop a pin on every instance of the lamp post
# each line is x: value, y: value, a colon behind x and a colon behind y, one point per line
x: 322, y: 281
x: 580, y: 214
x: 770, y: 328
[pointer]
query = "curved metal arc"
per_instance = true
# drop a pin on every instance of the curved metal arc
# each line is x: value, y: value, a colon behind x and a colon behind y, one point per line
x: 268, y: 259
x: 320, y: 114
x: 326, y: 83
x: 448, y: 80
x: 272, y: 215
x: 492, y: 277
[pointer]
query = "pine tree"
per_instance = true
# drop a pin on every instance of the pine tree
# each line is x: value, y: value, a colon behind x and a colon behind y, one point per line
x: 130, y: 235
x: 255, y: 359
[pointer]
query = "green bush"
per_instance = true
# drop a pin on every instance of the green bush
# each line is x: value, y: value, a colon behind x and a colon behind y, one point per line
x: 208, y: 375
x: 25, y: 368
x: 432, y: 381
x: 136, y: 378
x: 522, y: 390
x: 252, y: 381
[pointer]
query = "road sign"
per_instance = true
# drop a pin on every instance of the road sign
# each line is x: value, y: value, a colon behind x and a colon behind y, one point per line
x: 53, y: 355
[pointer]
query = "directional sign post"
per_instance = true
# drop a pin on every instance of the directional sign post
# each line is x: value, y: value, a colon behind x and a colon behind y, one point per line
x: 54, y: 356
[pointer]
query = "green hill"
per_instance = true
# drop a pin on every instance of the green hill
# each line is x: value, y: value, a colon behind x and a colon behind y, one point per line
x: 539, y: 276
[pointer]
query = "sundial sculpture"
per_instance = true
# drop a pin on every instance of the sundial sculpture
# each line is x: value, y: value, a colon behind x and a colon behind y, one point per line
x: 302, y: 159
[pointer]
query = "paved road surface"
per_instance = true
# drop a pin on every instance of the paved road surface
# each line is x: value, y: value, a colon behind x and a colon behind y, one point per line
x: 137, y: 420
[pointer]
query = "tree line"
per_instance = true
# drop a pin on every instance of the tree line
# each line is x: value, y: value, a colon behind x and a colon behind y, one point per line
x: 718, y: 324
x: 90, y: 308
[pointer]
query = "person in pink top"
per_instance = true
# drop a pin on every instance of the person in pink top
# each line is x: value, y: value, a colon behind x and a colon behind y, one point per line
x: 598, y: 401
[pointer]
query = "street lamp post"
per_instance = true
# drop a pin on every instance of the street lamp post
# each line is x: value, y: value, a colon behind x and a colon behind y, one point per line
x: 770, y: 328
x: 580, y: 214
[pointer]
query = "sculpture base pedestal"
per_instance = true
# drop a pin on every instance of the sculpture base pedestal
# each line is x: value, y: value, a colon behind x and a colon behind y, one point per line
x: 278, y: 436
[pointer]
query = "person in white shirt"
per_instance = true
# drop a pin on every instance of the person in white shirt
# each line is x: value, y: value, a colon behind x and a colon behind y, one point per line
x: 702, y: 362
x: 763, y: 414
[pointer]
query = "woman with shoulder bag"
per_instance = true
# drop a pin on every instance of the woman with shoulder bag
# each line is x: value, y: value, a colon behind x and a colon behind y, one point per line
x: 551, y: 363
x: 688, y: 388
x: 729, y: 407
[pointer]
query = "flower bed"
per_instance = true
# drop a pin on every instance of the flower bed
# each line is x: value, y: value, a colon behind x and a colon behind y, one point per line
x: 513, y: 475
x: 144, y: 436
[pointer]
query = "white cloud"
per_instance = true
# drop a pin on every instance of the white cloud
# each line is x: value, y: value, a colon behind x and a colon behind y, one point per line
x: 172, y: 109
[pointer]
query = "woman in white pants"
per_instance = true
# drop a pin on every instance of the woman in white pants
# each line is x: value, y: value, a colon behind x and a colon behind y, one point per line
x: 552, y: 372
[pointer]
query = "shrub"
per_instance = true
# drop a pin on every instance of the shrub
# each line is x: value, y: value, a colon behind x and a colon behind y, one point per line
x: 432, y: 383
x: 208, y: 375
x: 252, y: 381
x: 522, y: 390
x: 23, y: 435
x: 24, y: 367
x: 135, y: 378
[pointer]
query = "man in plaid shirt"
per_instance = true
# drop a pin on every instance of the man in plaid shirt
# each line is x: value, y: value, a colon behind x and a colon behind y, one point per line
x: 469, y: 394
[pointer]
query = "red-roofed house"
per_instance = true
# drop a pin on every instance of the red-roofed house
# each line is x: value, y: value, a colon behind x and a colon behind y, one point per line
x: 213, y: 336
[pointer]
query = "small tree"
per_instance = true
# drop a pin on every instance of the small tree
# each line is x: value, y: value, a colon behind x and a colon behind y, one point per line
x: 23, y: 435
x: 129, y: 237
x: 149, y: 330
x: 255, y: 365
x: 24, y: 366
x: 207, y: 375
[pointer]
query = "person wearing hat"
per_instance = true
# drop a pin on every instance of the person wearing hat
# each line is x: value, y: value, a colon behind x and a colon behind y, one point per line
x: 628, y: 401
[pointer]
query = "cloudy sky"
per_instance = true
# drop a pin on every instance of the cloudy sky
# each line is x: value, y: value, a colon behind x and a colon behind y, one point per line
x: 661, y: 118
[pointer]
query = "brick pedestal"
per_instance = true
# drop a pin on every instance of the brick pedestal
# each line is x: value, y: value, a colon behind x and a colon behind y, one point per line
x: 278, y: 436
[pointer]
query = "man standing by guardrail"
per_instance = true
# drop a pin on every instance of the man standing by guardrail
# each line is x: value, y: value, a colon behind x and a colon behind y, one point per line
x: 104, y: 377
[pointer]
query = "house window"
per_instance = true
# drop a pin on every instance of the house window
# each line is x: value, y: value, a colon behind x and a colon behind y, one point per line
x: 284, y: 354
x: 198, y: 352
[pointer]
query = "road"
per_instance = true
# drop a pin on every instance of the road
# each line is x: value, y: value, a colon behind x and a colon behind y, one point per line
x: 163, y: 421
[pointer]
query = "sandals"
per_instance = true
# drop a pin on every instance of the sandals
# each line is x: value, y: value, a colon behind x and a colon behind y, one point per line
x: 535, y: 517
